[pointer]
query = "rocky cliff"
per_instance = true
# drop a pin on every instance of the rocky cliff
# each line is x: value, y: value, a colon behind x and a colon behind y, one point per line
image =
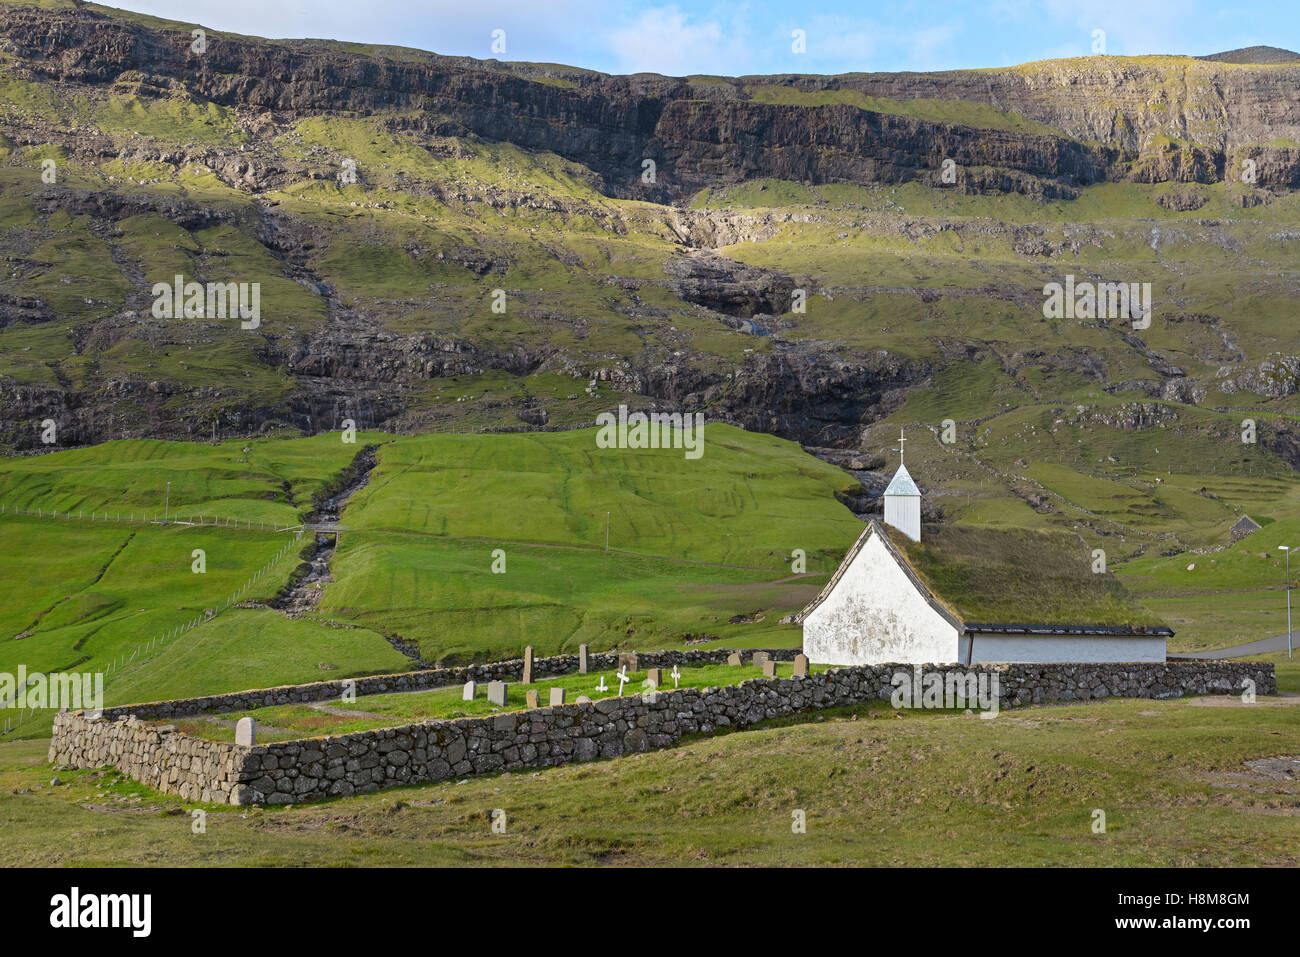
x: 1154, y: 119
x: 680, y: 288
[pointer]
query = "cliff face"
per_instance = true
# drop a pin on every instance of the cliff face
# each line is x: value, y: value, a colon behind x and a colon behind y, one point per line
x: 1149, y: 120
x: 475, y: 178
x: 711, y: 143
x: 1126, y: 104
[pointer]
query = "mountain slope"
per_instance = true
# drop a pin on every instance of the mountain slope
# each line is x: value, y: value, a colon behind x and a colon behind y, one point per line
x: 1256, y: 54
x: 444, y: 244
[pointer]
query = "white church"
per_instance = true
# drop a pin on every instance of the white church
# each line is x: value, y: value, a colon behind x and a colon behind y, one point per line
x: 971, y: 596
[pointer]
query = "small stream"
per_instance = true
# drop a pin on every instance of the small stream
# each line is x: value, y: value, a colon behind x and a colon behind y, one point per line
x: 304, y: 595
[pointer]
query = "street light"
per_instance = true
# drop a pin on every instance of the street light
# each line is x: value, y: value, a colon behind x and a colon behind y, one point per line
x: 1287, y: 549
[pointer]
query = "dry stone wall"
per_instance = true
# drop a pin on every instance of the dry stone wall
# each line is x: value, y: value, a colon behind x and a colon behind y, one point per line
x: 295, y: 771
x: 159, y: 756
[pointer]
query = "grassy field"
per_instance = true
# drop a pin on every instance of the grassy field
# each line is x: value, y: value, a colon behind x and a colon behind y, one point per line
x: 439, y: 515
x: 105, y: 587
x: 1223, y: 598
x: 693, y: 543
x: 925, y: 789
x: 108, y: 586
x: 256, y: 648
x: 105, y: 598
x: 443, y: 594
x: 556, y: 488
x: 262, y: 480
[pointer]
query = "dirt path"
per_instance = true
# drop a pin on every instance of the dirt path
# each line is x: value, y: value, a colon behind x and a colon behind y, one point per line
x: 347, y: 712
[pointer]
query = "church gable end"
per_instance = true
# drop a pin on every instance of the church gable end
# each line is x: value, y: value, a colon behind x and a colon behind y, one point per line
x: 875, y: 609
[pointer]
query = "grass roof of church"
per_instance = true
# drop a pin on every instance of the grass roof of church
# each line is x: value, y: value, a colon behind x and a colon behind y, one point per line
x: 1018, y: 576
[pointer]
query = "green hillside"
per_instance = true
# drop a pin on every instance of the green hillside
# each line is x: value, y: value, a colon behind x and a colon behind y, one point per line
x: 694, y: 544
x: 269, y: 481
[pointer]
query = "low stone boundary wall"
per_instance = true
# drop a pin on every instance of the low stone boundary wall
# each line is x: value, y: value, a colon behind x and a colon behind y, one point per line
x: 511, y: 669
x: 293, y: 771
x: 160, y: 757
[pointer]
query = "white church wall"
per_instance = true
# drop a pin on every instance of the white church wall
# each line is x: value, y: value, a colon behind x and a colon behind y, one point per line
x: 875, y: 614
x: 1081, y: 648
x: 904, y: 513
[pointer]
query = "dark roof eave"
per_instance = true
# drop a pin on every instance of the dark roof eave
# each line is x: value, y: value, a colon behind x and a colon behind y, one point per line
x: 990, y: 628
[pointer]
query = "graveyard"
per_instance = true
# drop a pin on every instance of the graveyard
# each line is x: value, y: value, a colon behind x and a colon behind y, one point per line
x: 367, y: 712
x: 143, y: 741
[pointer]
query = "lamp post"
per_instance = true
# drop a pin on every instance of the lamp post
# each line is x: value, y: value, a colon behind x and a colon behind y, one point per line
x: 167, y: 503
x: 1287, y: 549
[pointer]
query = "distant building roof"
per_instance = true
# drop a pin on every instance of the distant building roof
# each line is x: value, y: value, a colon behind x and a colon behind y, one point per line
x: 1246, y: 524
x: 1009, y: 581
x: 902, y: 483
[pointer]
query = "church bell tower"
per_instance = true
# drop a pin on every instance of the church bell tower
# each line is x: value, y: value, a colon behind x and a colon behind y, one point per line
x: 903, y: 499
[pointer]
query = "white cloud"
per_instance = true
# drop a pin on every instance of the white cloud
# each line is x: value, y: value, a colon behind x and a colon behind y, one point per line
x: 533, y: 30
x: 666, y: 40
x: 929, y: 46
x: 843, y: 40
x: 1132, y: 29
x: 855, y: 44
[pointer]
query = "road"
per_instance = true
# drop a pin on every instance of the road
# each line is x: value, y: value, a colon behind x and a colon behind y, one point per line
x: 1261, y: 647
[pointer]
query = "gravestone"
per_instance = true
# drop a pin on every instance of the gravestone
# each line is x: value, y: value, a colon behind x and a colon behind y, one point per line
x: 759, y: 658
x: 530, y: 698
x: 769, y: 669
x: 246, y: 732
x: 468, y: 693
x: 557, y: 696
x: 528, y: 665
x: 498, y: 691
x: 733, y: 658
x: 583, y: 699
x: 627, y: 659
x: 801, y: 666
x: 582, y: 659
x: 653, y: 675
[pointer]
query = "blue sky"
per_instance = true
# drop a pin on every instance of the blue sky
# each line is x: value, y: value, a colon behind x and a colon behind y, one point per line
x: 755, y: 36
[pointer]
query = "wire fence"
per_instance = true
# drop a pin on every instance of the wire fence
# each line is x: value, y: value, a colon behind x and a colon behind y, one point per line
x: 147, y: 650
x: 132, y: 517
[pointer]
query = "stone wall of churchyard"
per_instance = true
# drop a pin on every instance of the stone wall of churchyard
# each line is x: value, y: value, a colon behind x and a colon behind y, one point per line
x: 511, y: 670
x: 160, y: 757
x: 293, y: 771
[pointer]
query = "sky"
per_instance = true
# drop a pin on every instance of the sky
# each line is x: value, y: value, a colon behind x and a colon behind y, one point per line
x: 759, y: 36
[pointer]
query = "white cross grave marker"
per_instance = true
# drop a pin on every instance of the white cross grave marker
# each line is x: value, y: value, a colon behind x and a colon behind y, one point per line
x: 601, y: 686
x: 677, y: 676
x: 622, y: 679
